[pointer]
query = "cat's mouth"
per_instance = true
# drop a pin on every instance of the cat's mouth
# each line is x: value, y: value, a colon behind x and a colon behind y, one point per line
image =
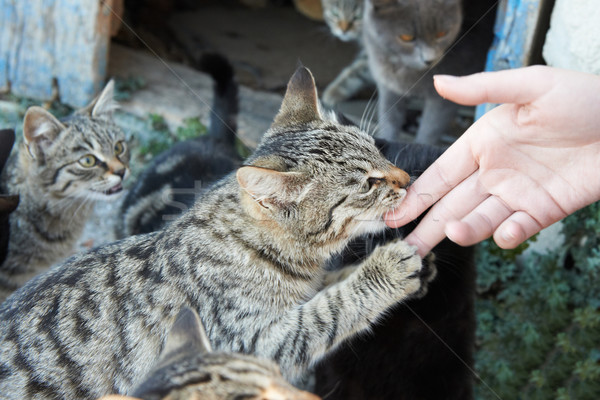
x: 115, y: 189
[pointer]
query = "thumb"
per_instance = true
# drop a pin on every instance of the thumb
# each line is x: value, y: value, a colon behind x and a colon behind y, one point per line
x: 517, y: 86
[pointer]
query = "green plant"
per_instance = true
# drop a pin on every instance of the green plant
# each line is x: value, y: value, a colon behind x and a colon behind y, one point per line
x: 538, y: 317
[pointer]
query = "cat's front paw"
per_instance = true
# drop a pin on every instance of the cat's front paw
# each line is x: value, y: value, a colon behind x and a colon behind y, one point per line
x: 398, y: 266
x: 427, y: 274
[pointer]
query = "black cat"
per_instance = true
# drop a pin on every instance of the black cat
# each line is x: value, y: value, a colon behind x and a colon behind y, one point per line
x: 176, y: 177
x: 424, y: 348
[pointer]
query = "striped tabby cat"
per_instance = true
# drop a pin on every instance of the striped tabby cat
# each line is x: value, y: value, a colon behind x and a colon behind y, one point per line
x: 248, y: 257
x: 344, y: 18
x: 60, y: 169
x: 177, y: 176
x: 189, y: 369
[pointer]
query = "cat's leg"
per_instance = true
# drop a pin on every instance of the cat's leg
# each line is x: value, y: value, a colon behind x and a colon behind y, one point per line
x: 391, y: 113
x: 349, y: 82
x: 436, y: 120
x: 306, y: 333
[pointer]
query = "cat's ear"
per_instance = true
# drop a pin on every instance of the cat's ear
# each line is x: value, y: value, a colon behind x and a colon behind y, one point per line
x: 300, y: 104
x: 105, y: 103
x: 40, y: 128
x: 268, y: 187
x: 187, y: 334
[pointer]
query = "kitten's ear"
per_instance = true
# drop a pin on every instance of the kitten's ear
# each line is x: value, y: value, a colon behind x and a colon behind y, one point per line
x: 300, y: 104
x: 269, y: 187
x: 40, y: 128
x: 187, y: 334
x: 105, y: 103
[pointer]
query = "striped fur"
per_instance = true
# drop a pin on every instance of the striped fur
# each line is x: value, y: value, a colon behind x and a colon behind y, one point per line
x: 248, y: 257
x: 188, y: 369
x: 57, y: 192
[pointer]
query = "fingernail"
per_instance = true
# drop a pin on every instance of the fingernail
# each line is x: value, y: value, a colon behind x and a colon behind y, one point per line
x: 444, y: 78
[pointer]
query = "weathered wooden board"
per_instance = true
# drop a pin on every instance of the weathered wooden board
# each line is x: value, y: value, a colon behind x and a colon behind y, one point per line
x: 55, y: 47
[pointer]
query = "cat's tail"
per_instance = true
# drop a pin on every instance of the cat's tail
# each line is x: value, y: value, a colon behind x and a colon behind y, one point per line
x: 223, y: 118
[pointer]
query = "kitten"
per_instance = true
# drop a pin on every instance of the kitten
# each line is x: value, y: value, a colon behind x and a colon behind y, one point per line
x: 174, y: 179
x: 188, y: 369
x: 407, y: 42
x: 423, y: 349
x: 8, y: 202
x: 344, y: 18
x: 248, y: 257
x: 59, y: 170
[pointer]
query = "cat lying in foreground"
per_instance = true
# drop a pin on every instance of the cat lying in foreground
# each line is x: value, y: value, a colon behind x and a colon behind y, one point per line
x: 248, y: 257
x: 60, y: 170
x: 189, y: 369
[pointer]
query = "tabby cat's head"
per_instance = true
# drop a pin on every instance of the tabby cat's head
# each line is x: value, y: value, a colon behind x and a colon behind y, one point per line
x: 416, y: 32
x: 315, y: 179
x: 344, y: 18
x: 189, y: 369
x: 84, y: 156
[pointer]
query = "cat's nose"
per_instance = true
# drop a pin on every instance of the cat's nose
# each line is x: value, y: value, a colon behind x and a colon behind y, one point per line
x: 120, y: 173
x: 345, y: 25
x: 398, y: 178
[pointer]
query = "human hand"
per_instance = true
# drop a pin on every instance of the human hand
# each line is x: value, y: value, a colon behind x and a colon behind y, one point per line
x: 521, y: 167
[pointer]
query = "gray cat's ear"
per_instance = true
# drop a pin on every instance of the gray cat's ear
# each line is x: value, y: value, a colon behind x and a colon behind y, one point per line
x: 270, y: 188
x: 300, y: 104
x: 105, y: 103
x: 40, y: 128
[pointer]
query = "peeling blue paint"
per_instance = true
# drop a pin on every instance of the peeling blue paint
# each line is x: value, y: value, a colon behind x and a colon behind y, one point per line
x: 43, y: 40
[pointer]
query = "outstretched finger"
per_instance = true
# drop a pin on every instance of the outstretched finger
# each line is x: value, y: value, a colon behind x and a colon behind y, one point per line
x: 480, y: 223
x: 461, y: 201
x: 449, y: 170
x: 517, y: 86
x: 517, y: 228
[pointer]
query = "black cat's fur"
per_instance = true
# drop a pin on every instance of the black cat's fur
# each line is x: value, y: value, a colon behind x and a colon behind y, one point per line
x: 191, y: 166
x: 8, y: 202
x: 423, y: 350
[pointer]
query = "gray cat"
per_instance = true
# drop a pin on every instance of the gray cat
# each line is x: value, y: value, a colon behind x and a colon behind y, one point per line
x: 248, y: 257
x: 59, y: 170
x: 407, y: 42
x: 189, y: 369
x: 344, y: 19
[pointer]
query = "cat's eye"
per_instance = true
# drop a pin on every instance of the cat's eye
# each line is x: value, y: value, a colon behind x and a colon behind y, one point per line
x: 87, y: 161
x: 374, y: 181
x: 406, y: 37
x: 441, y: 34
x: 119, y: 147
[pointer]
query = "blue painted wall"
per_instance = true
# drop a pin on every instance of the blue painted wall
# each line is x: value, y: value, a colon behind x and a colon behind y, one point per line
x: 46, y: 41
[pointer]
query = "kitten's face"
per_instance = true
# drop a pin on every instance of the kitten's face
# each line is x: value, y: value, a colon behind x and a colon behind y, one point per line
x: 85, y: 156
x: 416, y: 33
x: 344, y: 18
x: 321, y: 181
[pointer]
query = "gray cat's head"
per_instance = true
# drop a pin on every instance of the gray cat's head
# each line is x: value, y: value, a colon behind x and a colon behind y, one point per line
x: 416, y: 33
x: 316, y: 180
x: 344, y: 18
x: 85, y: 156
x: 189, y: 369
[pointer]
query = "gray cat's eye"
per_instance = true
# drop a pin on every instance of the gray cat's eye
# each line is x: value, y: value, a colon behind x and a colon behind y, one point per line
x: 88, y: 161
